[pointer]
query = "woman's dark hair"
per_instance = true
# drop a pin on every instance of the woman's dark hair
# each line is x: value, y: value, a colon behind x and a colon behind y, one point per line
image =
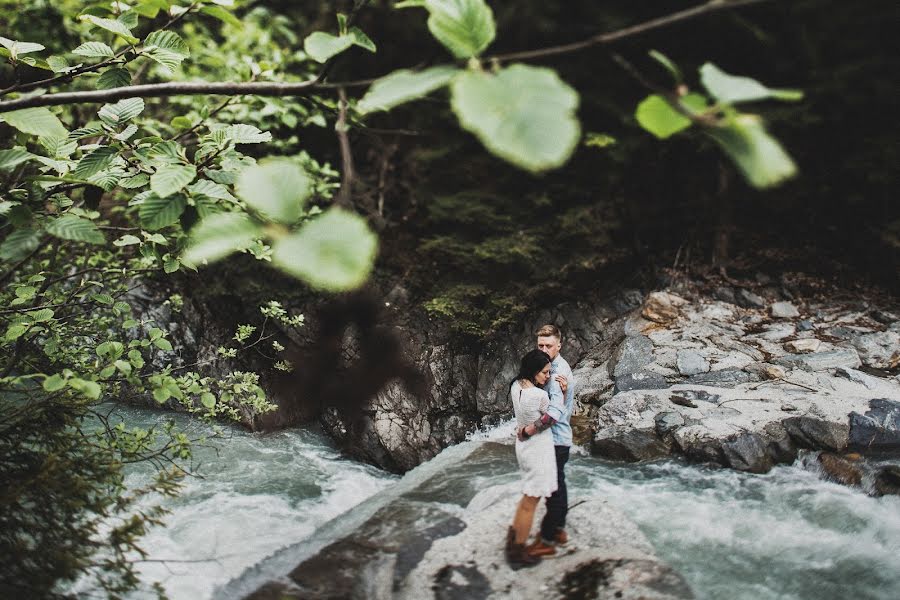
x: 531, y: 365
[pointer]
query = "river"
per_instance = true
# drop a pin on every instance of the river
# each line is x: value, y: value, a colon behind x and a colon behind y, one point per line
x: 786, y: 535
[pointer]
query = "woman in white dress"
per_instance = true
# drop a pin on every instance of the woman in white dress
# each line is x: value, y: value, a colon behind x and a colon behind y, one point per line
x: 534, y: 451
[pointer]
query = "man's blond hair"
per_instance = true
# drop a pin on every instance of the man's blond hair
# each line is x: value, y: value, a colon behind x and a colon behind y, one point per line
x: 549, y: 331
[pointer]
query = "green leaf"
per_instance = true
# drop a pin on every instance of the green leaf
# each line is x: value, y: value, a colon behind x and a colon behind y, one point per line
x: 660, y: 118
x: 276, y: 188
x: 57, y: 64
x: 95, y: 162
x: 137, y: 181
x: 54, y: 383
x: 127, y: 240
x: 333, y: 252
x: 36, y: 121
x: 91, y: 389
x: 94, y: 50
x: 208, y: 400
x: 246, y: 134
x: 17, y: 49
x: 221, y: 14
x: 321, y: 46
x: 170, y: 265
x: 161, y: 394
x: 171, y: 179
x: 15, y: 331
x: 76, y: 229
x: 758, y: 156
x: 135, y: 358
x: 464, y: 27
x: 404, y: 85
x: 7, y: 205
x: 150, y: 8
x: 103, y: 299
x: 219, y: 235
x: 40, y: 316
x: 205, y: 187
x: 113, y: 26
x: 168, y: 40
x: 9, y: 159
x: 121, y: 111
x: 19, y: 244
x: 668, y: 64
x: 361, y: 39
x: 163, y: 344
x: 113, y: 78
x: 169, y: 60
x: 523, y: 114
x: 732, y: 89
x: 58, y: 147
x: 156, y: 212
x: 123, y: 366
x: 181, y: 122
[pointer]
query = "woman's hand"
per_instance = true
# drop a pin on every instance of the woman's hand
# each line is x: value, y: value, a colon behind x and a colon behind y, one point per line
x: 563, y: 383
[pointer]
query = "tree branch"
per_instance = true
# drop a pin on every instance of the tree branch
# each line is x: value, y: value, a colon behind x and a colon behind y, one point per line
x: 161, y: 90
x: 344, y: 197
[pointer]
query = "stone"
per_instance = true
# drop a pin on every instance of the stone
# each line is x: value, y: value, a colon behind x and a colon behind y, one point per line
x: 886, y: 480
x: 884, y: 317
x: 784, y: 310
x: 804, y: 346
x: 690, y: 362
x: 723, y: 378
x: 635, y: 352
x: 748, y: 299
x: 629, y: 445
x: 725, y: 294
x: 815, y: 433
x: 805, y: 325
x: 643, y: 380
x: 777, y: 332
x: 878, y: 430
x: 758, y: 453
x: 662, y: 307
x: 681, y: 401
x: 840, y: 469
x: 879, y: 350
x: 729, y: 343
x: 821, y: 361
x: 857, y: 377
x: 667, y: 422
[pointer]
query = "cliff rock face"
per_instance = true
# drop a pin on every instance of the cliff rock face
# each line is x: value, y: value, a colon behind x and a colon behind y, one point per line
x: 741, y: 386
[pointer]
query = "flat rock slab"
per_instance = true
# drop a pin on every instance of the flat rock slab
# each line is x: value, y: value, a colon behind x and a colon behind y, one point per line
x: 821, y: 361
x: 441, y: 540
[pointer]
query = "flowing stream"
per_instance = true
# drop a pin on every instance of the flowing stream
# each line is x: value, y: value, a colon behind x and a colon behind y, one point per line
x: 786, y: 535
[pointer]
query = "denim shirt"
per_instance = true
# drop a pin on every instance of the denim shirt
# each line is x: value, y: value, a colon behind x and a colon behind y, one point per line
x: 561, y: 408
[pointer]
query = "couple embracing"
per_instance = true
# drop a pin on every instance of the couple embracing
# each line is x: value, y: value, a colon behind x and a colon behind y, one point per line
x: 543, y: 395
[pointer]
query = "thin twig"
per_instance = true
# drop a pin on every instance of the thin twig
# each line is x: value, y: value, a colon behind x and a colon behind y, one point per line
x: 162, y: 90
x: 344, y: 198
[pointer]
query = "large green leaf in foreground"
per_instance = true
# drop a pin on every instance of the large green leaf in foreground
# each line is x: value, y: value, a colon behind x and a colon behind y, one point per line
x: 758, y: 155
x: 523, y: 114
x: 276, y: 188
x: 333, y: 252
x: 464, y: 27
x: 403, y: 86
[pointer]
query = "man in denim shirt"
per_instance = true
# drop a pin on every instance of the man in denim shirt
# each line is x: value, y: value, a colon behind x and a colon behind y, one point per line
x: 561, y: 389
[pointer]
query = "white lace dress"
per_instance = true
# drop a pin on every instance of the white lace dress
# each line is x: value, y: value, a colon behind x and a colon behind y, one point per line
x: 536, y: 456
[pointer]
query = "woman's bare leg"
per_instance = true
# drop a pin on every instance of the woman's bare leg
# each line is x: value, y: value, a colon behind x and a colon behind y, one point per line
x: 524, y: 517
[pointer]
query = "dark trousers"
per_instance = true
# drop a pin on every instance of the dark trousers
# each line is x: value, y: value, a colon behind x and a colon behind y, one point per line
x: 558, y: 503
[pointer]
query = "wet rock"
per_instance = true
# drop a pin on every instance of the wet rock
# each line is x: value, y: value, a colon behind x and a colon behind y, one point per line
x: 723, y: 378
x: 887, y: 480
x: 690, y: 362
x: 629, y: 445
x: 667, y: 422
x: 878, y: 430
x: 857, y: 377
x: 635, y: 352
x: 884, y: 317
x: 623, y: 579
x: 784, y: 310
x: 758, y: 452
x: 662, y: 307
x: 821, y: 361
x: 643, y: 380
x: 840, y: 469
x: 879, y: 350
x: 816, y: 433
x: 748, y: 299
x: 804, y: 346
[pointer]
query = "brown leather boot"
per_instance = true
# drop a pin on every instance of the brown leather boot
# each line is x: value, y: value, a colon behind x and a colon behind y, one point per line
x: 516, y: 555
x: 539, y: 549
x: 561, y: 537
